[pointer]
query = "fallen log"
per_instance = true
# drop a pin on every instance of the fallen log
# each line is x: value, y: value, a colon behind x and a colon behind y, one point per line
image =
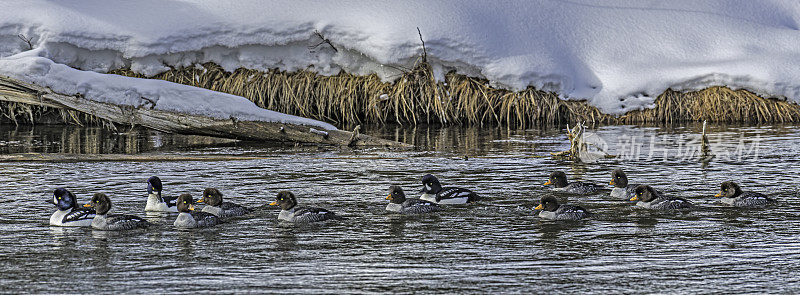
x: 13, y: 90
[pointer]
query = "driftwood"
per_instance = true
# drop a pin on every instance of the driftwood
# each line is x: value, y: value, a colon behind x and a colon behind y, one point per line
x: 13, y: 90
x: 579, y: 148
x: 705, y: 149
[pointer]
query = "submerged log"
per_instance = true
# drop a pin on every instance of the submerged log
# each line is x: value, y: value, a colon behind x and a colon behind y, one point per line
x: 13, y: 90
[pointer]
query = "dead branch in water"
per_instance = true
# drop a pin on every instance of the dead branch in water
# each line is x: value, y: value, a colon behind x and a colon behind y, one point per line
x: 705, y: 149
x: 579, y: 146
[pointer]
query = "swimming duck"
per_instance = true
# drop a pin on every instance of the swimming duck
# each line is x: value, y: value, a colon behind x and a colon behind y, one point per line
x: 622, y: 189
x: 69, y: 213
x: 649, y: 198
x: 559, y: 180
x: 399, y: 204
x: 733, y: 195
x: 553, y: 211
x: 293, y: 213
x: 214, y: 205
x: 434, y: 192
x: 156, y: 202
x: 103, y: 221
x: 188, y: 218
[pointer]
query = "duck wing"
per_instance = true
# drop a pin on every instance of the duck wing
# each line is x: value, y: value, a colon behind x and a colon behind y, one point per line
x: 123, y: 222
x: 753, y: 199
x: 671, y: 203
x: 205, y: 219
x: 78, y: 214
x: 417, y: 206
x: 456, y: 192
x: 569, y: 212
x: 312, y: 214
x: 232, y: 209
x: 581, y: 188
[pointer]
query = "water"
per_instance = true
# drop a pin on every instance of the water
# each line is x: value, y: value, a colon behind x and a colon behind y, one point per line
x: 495, y: 246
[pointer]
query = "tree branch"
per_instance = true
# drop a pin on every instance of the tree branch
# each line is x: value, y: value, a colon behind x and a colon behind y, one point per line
x: 324, y: 41
x: 27, y: 40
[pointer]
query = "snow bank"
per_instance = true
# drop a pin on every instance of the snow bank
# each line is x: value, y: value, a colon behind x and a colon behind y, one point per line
x: 31, y: 67
x: 616, y: 54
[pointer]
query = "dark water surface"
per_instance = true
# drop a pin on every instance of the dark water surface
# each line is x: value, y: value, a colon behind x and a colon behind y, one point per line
x: 497, y: 245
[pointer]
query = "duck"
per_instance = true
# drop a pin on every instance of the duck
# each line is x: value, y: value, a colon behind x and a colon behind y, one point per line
x: 433, y: 192
x: 649, y: 198
x: 398, y: 203
x: 733, y: 195
x: 212, y: 198
x: 293, y: 213
x: 104, y: 221
x: 155, y: 201
x: 69, y: 213
x: 559, y: 180
x: 189, y: 218
x: 622, y: 189
x: 554, y: 211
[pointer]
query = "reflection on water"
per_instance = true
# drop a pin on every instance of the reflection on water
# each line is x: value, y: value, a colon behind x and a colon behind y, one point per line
x: 93, y: 140
x: 495, y: 246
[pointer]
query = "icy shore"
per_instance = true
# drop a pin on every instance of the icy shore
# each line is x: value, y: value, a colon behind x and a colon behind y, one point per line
x: 618, y: 55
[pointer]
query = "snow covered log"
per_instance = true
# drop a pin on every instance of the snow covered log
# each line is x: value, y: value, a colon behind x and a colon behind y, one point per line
x: 13, y: 90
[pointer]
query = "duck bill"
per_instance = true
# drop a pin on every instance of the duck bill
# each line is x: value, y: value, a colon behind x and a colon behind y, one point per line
x: 635, y: 198
x: 389, y: 197
x: 191, y: 207
x: 718, y: 195
x: 548, y: 182
x: 540, y: 207
x: 87, y: 205
x: 200, y: 201
x: 611, y: 182
x: 273, y: 204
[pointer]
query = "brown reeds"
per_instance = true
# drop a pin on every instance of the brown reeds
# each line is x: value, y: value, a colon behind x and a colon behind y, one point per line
x: 416, y: 97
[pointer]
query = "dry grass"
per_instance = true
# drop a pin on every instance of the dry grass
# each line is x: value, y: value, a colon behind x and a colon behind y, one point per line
x: 417, y: 97
x: 20, y: 113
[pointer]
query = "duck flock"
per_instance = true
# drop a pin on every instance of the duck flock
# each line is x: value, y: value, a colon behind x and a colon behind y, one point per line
x: 214, y: 211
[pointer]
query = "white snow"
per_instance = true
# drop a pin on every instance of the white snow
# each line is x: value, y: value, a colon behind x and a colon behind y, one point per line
x: 616, y: 54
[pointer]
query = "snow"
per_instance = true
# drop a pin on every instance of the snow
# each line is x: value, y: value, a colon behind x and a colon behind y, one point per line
x: 31, y: 67
x: 618, y: 55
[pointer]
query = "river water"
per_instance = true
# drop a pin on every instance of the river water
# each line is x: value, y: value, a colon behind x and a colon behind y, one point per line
x: 497, y: 245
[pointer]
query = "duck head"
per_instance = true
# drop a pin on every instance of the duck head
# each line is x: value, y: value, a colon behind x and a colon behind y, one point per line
x: 729, y: 189
x: 100, y: 202
x: 618, y: 178
x: 185, y: 203
x: 548, y: 203
x: 211, y: 197
x: 430, y: 184
x: 557, y: 179
x: 645, y: 193
x: 396, y: 194
x: 64, y: 199
x: 285, y: 199
x: 154, y: 186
